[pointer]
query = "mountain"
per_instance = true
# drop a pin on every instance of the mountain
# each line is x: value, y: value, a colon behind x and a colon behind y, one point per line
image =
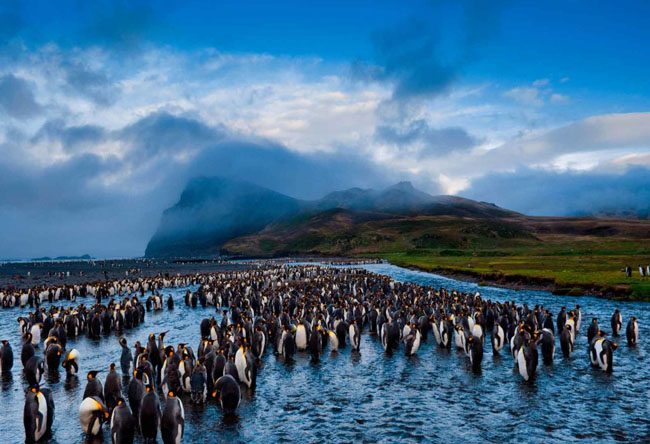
x: 213, y: 211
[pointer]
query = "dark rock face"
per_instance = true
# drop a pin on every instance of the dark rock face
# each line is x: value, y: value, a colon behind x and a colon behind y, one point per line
x: 213, y: 210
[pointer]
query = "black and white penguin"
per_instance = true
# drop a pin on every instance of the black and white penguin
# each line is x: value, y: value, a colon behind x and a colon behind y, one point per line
x: 498, y: 338
x: 412, y: 341
x: 34, y: 369
x: 446, y: 329
x: 548, y: 346
x: 150, y: 414
x: 27, y: 351
x: 601, y: 353
x: 92, y: 414
x: 136, y: 391
x: 632, y: 332
x: 53, y: 352
x: 475, y: 352
x: 617, y: 323
x: 38, y: 414
x: 592, y: 330
x: 198, y: 382
x: 355, y: 336
x: 301, y: 337
x: 71, y: 362
x: 122, y: 424
x: 228, y: 394
x: 527, y: 360
x: 172, y: 425
x: 6, y: 359
x: 566, y: 341
x: 170, y: 302
x: 316, y: 343
x: 112, y: 387
x: 126, y: 358
x: 333, y: 341
x: 93, y: 386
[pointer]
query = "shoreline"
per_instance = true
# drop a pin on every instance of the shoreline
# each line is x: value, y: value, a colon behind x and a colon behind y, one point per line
x: 521, y: 282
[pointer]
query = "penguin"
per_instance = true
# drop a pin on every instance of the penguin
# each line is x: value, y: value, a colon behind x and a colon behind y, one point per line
x: 498, y: 338
x: 593, y: 330
x: 150, y: 414
x: 126, y: 358
x: 578, y: 320
x: 112, y: 387
x: 92, y: 414
x: 93, y: 386
x: 601, y: 351
x: 198, y: 382
x: 288, y: 346
x: 617, y: 323
x: 412, y: 341
x: 53, y: 353
x: 136, y: 391
x: 122, y: 424
x: 28, y: 350
x: 172, y: 425
x: 460, y: 337
x: 38, y: 414
x: 548, y: 346
x: 6, y: 359
x: 170, y: 302
x: 527, y: 360
x: 71, y: 362
x: 301, y: 337
x: 561, y: 319
x: 475, y: 352
x: 446, y: 329
x: 34, y: 370
x: 316, y: 344
x: 333, y: 341
x: 36, y: 334
x: 632, y: 332
x: 228, y: 394
x: 566, y: 341
x: 355, y: 339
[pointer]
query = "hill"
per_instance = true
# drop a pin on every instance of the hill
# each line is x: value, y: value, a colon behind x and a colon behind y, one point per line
x: 214, y: 211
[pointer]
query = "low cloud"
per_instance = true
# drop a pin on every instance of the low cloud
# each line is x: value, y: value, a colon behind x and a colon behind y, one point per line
x: 547, y: 193
x: 17, y: 98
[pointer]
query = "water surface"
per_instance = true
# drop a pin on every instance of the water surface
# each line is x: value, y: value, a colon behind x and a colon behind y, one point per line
x: 371, y: 397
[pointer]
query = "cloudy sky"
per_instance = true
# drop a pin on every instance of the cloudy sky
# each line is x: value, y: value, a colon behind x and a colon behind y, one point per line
x: 107, y: 108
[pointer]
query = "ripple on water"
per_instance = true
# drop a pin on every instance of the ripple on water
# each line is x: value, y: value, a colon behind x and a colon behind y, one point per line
x: 371, y: 397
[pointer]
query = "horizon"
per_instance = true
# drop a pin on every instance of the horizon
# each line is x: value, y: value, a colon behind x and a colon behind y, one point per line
x: 108, y: 109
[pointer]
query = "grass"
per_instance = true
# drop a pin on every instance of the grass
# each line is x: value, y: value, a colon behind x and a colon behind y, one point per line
x: 569, y: 267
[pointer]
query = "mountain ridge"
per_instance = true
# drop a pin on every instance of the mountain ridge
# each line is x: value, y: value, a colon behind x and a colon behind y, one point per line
x: 214, y: 210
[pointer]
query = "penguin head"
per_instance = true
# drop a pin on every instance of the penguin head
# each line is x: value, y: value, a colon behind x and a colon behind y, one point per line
x: 112, y: 366
x: 170, y: 394
x: 123, y: 342
x: 614, y: 346
x: 92, y: 374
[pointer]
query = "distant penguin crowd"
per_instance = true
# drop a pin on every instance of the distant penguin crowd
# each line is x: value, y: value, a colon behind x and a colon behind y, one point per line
x: 282, y: 310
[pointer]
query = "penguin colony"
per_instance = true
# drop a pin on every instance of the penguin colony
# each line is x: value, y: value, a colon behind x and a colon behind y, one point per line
x: 289, y: 309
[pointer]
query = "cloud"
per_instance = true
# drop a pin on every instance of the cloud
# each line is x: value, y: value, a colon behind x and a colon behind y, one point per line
x: 90, y: 83
x: 16, y: 97
x: 541, y: 82
x: 413, y: 56
x: 432, y: 142
x: 539, y: 192
x: 559, y: 98
x: 526, y: 95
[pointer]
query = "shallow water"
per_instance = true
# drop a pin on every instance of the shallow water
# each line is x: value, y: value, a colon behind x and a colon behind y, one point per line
x: 371, y: 397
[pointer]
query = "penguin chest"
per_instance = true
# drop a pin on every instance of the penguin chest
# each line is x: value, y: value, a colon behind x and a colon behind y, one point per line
x: 522, y: 363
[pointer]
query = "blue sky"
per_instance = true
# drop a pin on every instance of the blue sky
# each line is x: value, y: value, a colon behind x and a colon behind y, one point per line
x: 107, y: 108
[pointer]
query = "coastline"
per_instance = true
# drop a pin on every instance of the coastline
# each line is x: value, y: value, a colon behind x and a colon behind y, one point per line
x: 521, y: 282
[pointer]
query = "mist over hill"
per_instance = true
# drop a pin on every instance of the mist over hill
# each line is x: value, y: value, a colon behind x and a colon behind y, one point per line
x: 214, y: 210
